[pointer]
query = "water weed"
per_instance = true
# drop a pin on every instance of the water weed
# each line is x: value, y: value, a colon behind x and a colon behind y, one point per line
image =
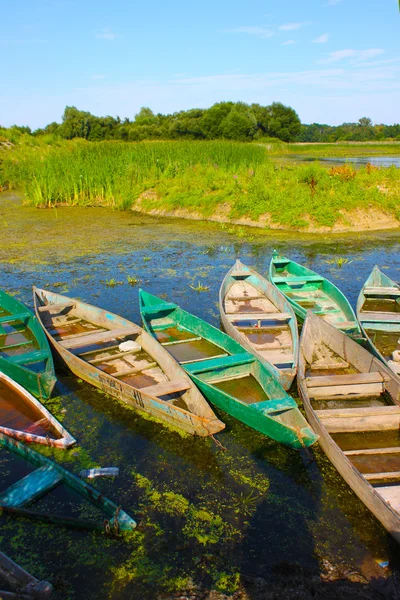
x: 200, y: 287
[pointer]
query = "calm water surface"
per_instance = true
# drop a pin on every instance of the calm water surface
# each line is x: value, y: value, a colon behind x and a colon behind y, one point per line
x: 357, y: 161
x: 204, y: 512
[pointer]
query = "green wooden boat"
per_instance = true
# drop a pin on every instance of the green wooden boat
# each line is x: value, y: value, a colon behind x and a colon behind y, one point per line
x: 231, y: 378
x: 258, y: 316
x: 23, y: 493
x: 306, y: 290
x: 25, y: 354
x: 378, y: 310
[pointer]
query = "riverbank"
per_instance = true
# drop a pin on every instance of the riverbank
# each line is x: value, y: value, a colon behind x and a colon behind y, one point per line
x: 231, y: 183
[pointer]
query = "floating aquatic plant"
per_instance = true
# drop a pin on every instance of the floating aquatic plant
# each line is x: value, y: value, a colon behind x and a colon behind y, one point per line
x: 200, y: 287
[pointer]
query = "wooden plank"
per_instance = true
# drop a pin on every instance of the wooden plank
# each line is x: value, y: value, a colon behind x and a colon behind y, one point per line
x: 276, y: 358
x: 369, y: 411
x: 390, y: 291
x: 240, y: 273
x: 301, y: 279
x: 30, y: 487
x: 96, y: 351
x: 322, y: 366
x: 193, y: 339
x: 28, y: 357
x: 167, y: 387
x: 381, y: 476
x: 259, y: 317
x: 362, y: 451
x: 346, y: 324
x: 134, y: 370
x: 95, y: 361
x: 70, y: 336
x: 98, y: 338
x: 353, y: 378
x: 23, y: 316
x: 352, y: 391
x: 196, y: 360
x: 57, y: 307
x: 391, y: 494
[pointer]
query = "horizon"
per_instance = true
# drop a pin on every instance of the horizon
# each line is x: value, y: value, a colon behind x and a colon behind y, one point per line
x: 333, y: 61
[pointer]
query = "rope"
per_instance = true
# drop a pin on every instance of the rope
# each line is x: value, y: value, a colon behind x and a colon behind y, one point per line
x: 217, y: 442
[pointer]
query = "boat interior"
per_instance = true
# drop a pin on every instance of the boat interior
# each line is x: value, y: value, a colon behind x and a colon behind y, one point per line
x: 18, y: 414
x: 310, y: 293
x: 259, y: 320
x: 117, y: 352
x: 17, y: 342
x: 359, y: 413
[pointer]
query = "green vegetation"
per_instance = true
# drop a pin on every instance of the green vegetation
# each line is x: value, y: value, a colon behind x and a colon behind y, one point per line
x: 200, y: 287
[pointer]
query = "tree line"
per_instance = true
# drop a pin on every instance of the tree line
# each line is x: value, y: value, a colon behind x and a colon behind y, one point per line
x: 224, y: 120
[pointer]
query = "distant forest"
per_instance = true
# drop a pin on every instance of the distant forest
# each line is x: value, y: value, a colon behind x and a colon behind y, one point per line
x: 224, y: 120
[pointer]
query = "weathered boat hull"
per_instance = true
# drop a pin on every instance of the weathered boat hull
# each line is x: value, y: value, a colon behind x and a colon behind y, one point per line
x: 314, y: 330
x: 284, y: 368
x: 9, y: 388
x: 303, y: 287
x: 14, y: 362
x: 204, y: 423
x: 275, y: 415
x: 380, y: 287
x: 32, y: 488
x: 24, y: 585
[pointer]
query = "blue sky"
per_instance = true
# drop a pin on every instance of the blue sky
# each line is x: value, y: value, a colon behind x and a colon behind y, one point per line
x: 331, y: 60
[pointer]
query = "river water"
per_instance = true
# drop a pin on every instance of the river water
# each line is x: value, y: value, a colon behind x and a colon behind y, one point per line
x: 205, y: 513
x: 356, y: 161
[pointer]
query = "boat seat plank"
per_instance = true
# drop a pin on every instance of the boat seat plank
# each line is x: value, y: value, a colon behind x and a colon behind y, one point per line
x: 155, y: 308
x: 347, y: 324
x: 369, y: 411
x: 167, y: 387
x: 380, y: 476
x: 277, y: 359
x: 299, y: 280
x: 30, y: 487
x: 23, y: 316
x: 240, y: 273
x: 352, y: 379
x: 381, y: 291
x: 391, y: 494
x: 97, y: 359
x: 216, y: 364
x: 184, y: 341
x: 29, y: 357
x: 394, y: 450
x: 243, y: 298
x: 57, y: 307
x: 259, y: 317
x: 372, y: 317
x: 135, y: 370
x: 98, y: 338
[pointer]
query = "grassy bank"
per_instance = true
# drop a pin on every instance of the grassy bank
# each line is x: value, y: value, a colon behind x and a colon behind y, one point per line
x: 345, y: 149
x: 220, y: 180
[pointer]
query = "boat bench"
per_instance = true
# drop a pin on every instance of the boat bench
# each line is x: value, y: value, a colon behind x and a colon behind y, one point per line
x: 299, y: 280
x: 97, y: 338
x: 215, y: 364
x: 259, y: 317
x: 23, y: 316
x: 240, y: 273
x: 360, y: 384
x: 167, y: 387
x: 30, y: 487
x: 381, y: 291
x: 57, y: 307
x: 156, y: 308
x: 277, y: 358
x: 374, y: 418
x: 30, y: 357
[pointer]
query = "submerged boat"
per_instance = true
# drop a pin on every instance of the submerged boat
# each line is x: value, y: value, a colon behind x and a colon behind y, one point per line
x: 258, y: 316
x: 231, y: 378
x: 378, y: 310
x: 28, y: 490
x: 352, y: 401
x: 22, y: 583
x: 25, y: 355
x: 124, y: 361
x: 306, y: 290
x: 25, y: 418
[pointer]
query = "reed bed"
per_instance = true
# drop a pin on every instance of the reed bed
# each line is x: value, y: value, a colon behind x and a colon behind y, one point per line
x: 233, y: 180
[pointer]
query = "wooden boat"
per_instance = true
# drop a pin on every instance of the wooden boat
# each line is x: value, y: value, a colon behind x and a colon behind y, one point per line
x: 232, y: 379
x: 25, y: 418
x: 352, y: 401
x: 25, y: 492
x: 25, y: 355
x: 23, y: 585
x: 258, y: 316
x: 124, y: 361
x: 306, y: 290
x: 378, y: 310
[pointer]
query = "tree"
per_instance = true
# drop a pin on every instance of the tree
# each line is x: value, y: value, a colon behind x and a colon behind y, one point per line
x: 213, y: 117
x: 283, y: 122
x: 239, y: 125
x: 75, y: 123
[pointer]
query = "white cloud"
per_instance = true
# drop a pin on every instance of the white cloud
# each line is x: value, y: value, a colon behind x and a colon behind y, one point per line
x: 321, y: 39
x: 106, y: 34
x: 292, y: 26
x: 288, y: 43
x: 259, y: 31
x: 354, y: 55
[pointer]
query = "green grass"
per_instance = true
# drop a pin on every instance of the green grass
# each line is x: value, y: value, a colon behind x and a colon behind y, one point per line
x: 232, y: 179
x: 345, y: 149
